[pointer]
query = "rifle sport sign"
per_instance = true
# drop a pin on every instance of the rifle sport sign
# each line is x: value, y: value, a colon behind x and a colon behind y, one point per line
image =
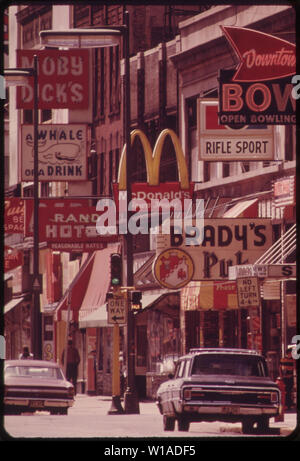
x: 222, y: 143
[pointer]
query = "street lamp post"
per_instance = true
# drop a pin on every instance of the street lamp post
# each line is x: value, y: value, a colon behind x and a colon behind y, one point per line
x: 98, y: 38
x: 19, y: 77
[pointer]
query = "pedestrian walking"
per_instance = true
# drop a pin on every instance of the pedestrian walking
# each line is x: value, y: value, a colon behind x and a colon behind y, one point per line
x: 73, y: 360
x: 25, y: 355
x: 287, y: 373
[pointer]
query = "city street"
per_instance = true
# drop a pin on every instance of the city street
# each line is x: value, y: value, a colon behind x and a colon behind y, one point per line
x: 88, y: 418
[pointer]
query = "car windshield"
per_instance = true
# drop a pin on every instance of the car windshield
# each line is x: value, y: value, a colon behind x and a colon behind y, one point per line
x: 225, y: 364
x: 34, y: 372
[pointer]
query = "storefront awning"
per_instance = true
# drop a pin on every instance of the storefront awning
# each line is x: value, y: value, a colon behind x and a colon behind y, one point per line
x: 97, y: 319
x: 99, y: 282
x: 12, y: 303
x: 217, y: 295
x: 243, y: 209
x: 76, y: 290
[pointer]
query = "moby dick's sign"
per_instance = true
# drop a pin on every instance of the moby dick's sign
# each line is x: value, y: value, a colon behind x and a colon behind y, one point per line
x: 62, y: 77
x: 259, y: 91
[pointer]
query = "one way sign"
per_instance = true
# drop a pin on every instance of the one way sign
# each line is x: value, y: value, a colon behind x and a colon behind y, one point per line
x: 116, y: 311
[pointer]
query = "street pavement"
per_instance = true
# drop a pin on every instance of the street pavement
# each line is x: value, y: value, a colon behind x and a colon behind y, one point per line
x: 89, y: 418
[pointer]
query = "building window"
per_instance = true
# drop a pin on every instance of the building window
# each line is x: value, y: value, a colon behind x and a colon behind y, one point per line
x: 114, y: 84
x: 141, y: 345
x: 99, y: 82
x: 290, y: 133
x: 33, y: 19
x: 45, y: 189
x: 245, y: 166
x: 117, y: 162
x: 226, y: 169
x: 206, y: 171
x: 110, y: 159
x: 101, y: 173
x: 44, y: 116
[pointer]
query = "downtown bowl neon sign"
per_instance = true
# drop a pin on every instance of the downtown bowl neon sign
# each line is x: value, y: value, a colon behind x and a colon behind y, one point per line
x: 261, y: 90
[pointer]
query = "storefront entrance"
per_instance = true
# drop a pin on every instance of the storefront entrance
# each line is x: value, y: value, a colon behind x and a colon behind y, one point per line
x: 213, y: 328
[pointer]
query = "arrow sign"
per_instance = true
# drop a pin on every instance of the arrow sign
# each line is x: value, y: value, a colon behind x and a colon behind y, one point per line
x: 262, y: 56
x: 116, y: 310
x: 115, y: 318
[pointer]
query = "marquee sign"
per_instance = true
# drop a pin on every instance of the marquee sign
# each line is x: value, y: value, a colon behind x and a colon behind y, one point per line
x: 217, y: 295
x: 260, y: 90
x: 173, y: 268
x: 61, y: 149
x: 153, y: 159
x: 67, y: 225
x: 262, y: 56
x: 13, y: 215
x: 12, y: 258
x: 284, y: 191
x: 225, y: 243
x: 222, y: 143
x: 62, y: 79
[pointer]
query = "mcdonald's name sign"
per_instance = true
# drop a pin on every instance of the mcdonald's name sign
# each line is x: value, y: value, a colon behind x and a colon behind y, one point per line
x: 153, y: 189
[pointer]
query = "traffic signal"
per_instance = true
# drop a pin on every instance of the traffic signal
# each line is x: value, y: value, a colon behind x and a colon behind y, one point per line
x: 116, y: 269
x: 136, y: 297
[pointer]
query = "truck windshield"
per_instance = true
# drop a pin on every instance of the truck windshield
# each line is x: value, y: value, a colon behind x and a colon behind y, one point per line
x: 228, y: 364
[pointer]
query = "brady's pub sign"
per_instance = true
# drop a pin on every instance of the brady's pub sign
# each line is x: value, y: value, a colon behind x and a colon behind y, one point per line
x: 260, y: 90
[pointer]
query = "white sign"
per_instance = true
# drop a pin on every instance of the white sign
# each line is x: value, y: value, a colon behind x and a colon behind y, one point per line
x: 116, y: 310
x: 225, y: 242
x: 263, y: 271
x: 282, y: 270
x: 222, y: 143
x: 248, y: 292
x: 62, y: 151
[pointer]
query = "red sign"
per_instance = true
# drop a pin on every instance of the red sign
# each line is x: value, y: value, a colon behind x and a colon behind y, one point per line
x: 67, y: 225
x: 167, y: 190
x: 262, y: 56
x: 12, y: 258
x: 5, y: 28
x: 259, y: 103
x: 13, y: 216
x: 225, y: 295
x: 63, y: 79
x: 284, y: 191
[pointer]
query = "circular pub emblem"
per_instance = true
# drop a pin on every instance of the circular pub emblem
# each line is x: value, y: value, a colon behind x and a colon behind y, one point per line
x: 173, y: 268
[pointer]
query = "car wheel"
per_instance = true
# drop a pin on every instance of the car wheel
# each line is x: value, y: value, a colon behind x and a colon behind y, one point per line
x: 63, y: 411
x: 183, y: 424
x: 59, y: 411
x: 263, y: 425
x: 169, y: 423
x: 247, y: 426
x: 12, y: 411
